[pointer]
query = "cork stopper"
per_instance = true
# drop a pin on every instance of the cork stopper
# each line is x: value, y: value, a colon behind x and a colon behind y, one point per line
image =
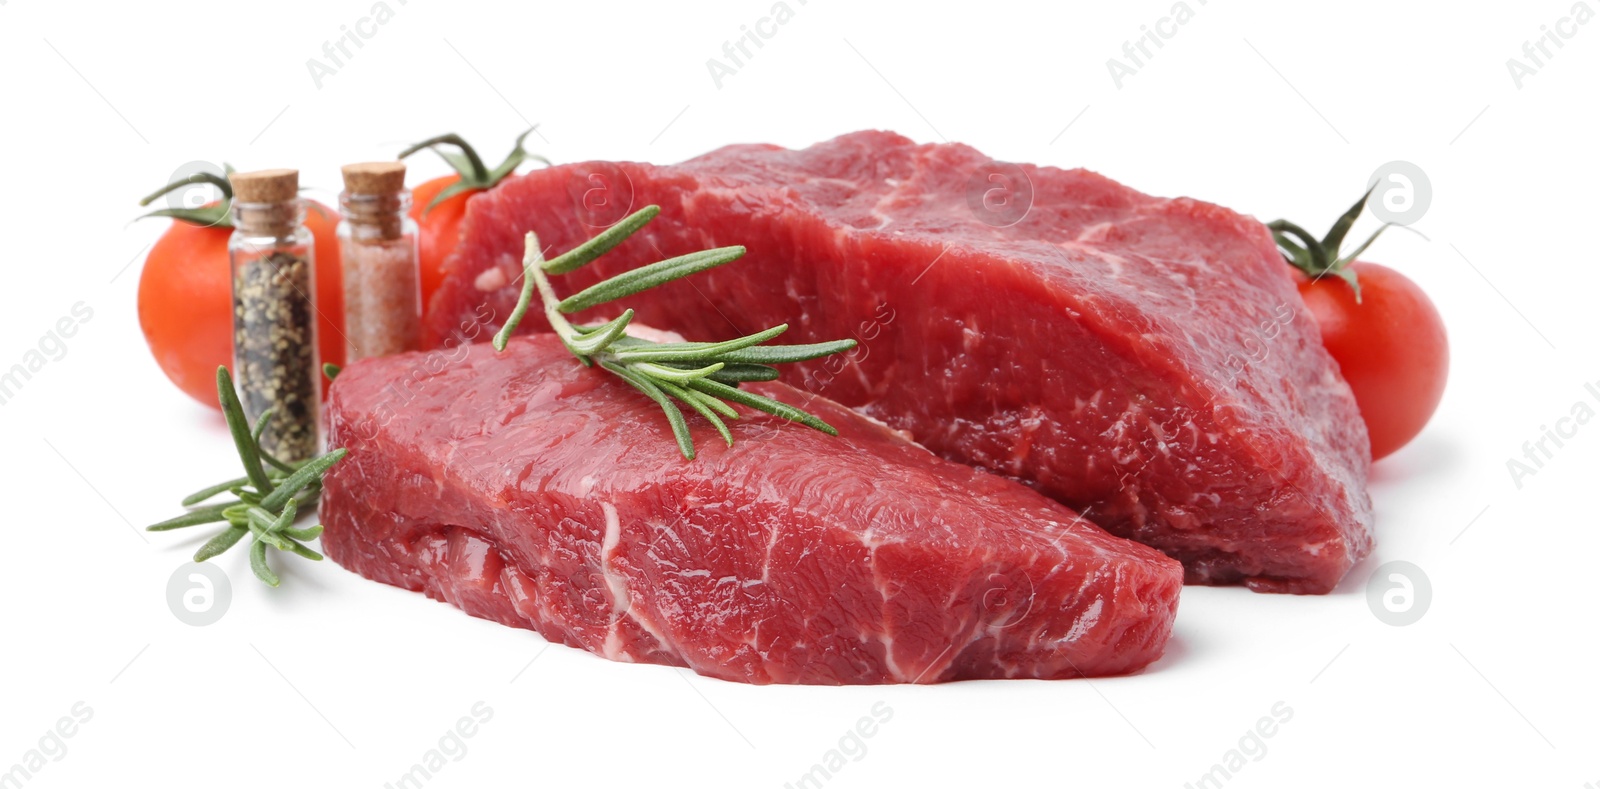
x: 374, y: 178
x: 266, y: 186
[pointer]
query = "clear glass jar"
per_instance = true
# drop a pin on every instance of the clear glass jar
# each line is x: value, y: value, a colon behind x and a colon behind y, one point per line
x: 382, y: 288
x: 275, y: 362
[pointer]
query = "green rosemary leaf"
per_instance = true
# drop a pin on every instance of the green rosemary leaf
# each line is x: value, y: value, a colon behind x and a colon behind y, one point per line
x: 734, y: 374
x: 261, y: 525
x: 647, y: 277
x: 285, y: 518
x: 209, y: 514
x: 261, y: 425
x: 246, y: 495
x: 215, y: 490
x: 308, y: 533
x: 692, y: 351
x: 786, y: 354
x: 658, y: 374
x: 680, y: 428
x: 710, y: 402
x: 760, y: 403
x: 271, y: 459
x: 691, y: 399
x: 258, y: 563
x: 696, y: 351
x: 302, y: 477
x: 585, y: 253
x: 302, y: 551
x: 240, y: 427
x: 531, y: 257
x: 625, y: 341
x: 596, y: 341
x: 219, y: 544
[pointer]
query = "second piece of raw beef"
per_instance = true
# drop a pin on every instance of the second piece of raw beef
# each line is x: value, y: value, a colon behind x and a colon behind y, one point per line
x: 1146, y: 361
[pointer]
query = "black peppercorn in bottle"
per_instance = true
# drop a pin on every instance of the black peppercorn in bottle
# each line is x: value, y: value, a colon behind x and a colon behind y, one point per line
x: 275, y: 362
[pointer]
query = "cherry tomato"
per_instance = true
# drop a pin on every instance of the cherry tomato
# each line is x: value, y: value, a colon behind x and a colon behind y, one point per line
x: 438, y: 228
x: 186, y: 301
x: 1391, y: 347
x: 439, y: 224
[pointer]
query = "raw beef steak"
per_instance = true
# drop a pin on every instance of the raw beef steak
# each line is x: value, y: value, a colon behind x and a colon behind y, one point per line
x: 530, y: 490
x: 1146, y: 361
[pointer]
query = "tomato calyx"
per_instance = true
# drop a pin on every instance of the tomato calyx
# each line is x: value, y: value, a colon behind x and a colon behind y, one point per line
x: 212, y: 215
x: 218, y: 214
x: 1320, y: 258
x: 474, y: 175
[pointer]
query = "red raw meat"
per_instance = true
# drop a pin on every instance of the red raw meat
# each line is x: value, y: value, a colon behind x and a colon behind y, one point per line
x: 530, y: 490
x: 1146, y: 361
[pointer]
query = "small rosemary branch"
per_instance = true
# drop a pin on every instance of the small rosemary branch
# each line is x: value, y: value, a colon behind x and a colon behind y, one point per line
x: 704, y: 376
x: 267, y: 499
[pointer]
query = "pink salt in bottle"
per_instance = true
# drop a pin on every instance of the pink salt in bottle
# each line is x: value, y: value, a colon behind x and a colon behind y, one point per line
x: 378, y: 245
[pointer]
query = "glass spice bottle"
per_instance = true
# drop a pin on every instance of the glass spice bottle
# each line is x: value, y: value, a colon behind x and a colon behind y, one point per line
x: 378, y: 246
x: 274, y: 312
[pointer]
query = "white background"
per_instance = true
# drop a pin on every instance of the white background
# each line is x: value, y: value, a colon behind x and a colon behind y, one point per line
x: 1274, y: 109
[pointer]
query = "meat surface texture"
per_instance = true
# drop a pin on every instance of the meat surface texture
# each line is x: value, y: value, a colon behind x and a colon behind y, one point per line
x: 525, y: 488
x: 1145, y: 361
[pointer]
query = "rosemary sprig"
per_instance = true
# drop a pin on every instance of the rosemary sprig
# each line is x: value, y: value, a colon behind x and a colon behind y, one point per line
x: 704, y: 376
x: 266, y: 500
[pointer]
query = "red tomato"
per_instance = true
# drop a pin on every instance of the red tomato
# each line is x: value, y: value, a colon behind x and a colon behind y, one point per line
x: 439, y: 226
x: 186, y: 301
x: 438, y: 229
x: 1391, y: 347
